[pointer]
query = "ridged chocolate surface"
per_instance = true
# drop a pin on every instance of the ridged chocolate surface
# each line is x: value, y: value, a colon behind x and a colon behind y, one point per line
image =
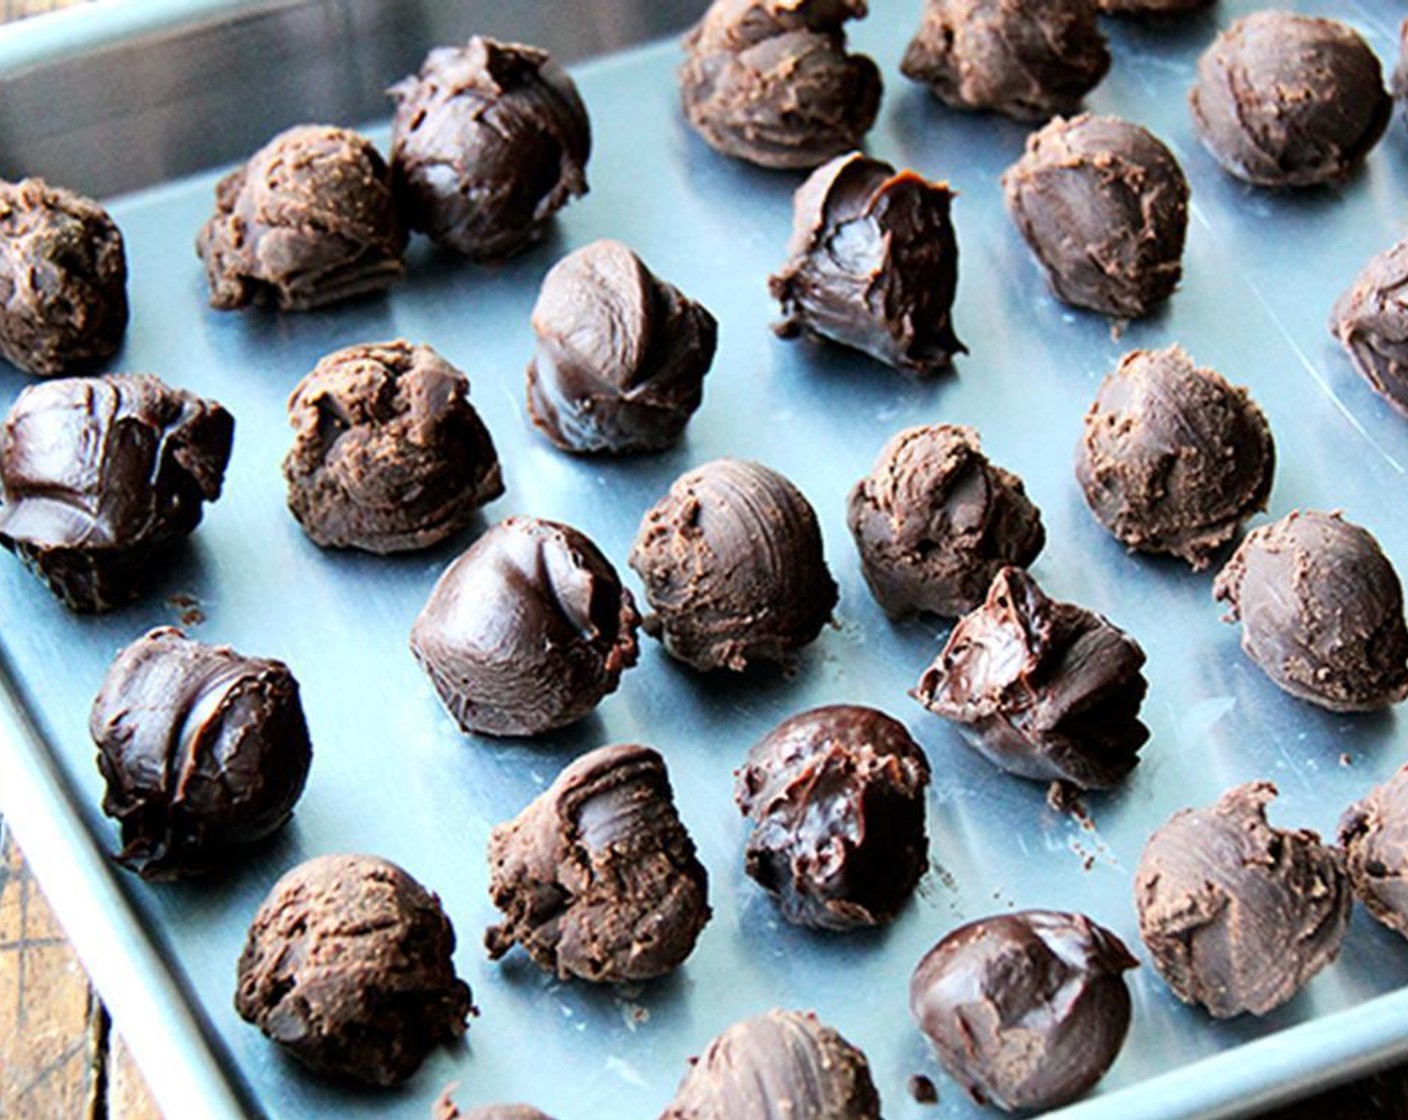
x: 1374, y: 835
x: 1371, y: 322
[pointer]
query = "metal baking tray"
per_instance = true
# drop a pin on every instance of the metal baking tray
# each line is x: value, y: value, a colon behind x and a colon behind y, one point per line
x: 142, y: 98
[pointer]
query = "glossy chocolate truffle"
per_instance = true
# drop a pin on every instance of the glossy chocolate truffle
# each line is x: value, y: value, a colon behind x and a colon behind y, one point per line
x: 1150, y: 7
x: 732, y: 563
x: 348, y: 967
x: 489, y: 141
x: 1321, y: 610
x: 1104, y: 206
x: 308, y: 221
x: 1238, y: 915
x: 388, y: 454
x: 1371, y: 322
x: 527, y: 630
x: 836, y: 797
x: 1029, y: 61
x: 1046, y: 690
x: 102, y: 475
x: 621, y: 354
x: 446, y: 1109
x: 782, y: 1065
x: 1374, y: 836
x: 1025, y: 1010
x: 1174, y: 459
x: 770, y: 82
x: 597, y: 878
x: 202, y: 750
x: 1286, y: 100
x: 63, y: 280
x: 872, y: 264
x: 934, y: 522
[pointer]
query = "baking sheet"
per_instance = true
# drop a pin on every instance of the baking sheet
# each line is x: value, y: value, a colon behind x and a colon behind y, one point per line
x: 392, y: 775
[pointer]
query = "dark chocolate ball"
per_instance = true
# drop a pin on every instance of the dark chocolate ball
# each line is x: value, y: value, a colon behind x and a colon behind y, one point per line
x: 527, y: 630
x: 1374, y: 835
x: 202, y: 749
x: 63, y: 280
x: 103, y: 475
x: 1287, y: 100
x: 597, y: 878
x: 1321, y: 610
x: 348, y: 968
x: 1371, y: 322
x: 489, y: 141
x: 1025, y: 1010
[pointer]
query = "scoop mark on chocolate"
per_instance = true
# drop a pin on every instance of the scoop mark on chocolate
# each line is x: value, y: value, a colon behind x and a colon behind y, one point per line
x: 872, y: 264
x: 597, y: 878
x: 101, y: 476
x: 527, y: 631
x: 1046, y: 690
x: 1374, y: 835
x: 1025, y: 1010
x: 621, y: 355
x: 1371, y: 322
x: 388, y: 453
x: 489, y: 141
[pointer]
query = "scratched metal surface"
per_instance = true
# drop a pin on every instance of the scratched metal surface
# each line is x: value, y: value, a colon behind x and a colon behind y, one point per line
x: 393, y: 776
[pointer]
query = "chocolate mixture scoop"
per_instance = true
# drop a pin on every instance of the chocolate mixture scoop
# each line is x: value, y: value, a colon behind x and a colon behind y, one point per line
x: 1371, y: 322
x: 1374, y: 835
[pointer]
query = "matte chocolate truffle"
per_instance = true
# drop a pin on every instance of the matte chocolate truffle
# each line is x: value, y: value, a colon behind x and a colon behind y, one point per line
x: 1371, y: 322
x: 63, y: 280
x: 1286, y: 100
x: 308, y: 221
x: 1104, y: 206
x: 1029, y: 61
x: 872, y: 264
x: 348, y: 967
x: 1046, y: 690
x: 1321, y: 610
x: 1238, y: 915
x: 621, y: 354
x: 732, y: 563
x: 934, y: 521
x: 527, y: 630
x: 446, y: 1109
x: 1374, y: 835
x: 781, y: 1065
x: 102, y: 475
x: 202, y: 750
x: 836, y: 797
x: 769, y: 81
x: 489, y: 141
x: 1174, y: 459
x: 597, y: 878
x: 388, y: 453
x: 1025, y: 1010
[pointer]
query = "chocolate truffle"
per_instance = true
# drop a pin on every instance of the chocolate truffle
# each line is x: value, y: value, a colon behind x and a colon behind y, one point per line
x: 202, y: 750
x: 1374, y: 835
x: 1104, y: 206
x: 348, y: 968
x: 597, y: 877
x: 1286, y: 100
x: 102, y: 475
x: 775, y: 1065
x: 1046, y: 690
x: 63, y: 280
x: 872, y: 264
x: 621, y: 354
x: 308, y: 221
x: 1025, y: 1010
x: 732, y: 563
x: 1371, y: 322
x: 1237, y: 915
x: 1321, y: 610
x: 836, y: 797
x: 527, y: 630
x: 446, y: 1109
x: 1399, y: 81
x: 1174, y: 459
x: 1029, y: 61
x: 934, y: 521
x: 489, y: 141
x: 388, y: 454
x: 770, y: 82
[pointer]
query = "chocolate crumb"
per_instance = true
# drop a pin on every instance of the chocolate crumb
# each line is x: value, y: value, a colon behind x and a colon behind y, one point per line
x: 923, y: 1090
